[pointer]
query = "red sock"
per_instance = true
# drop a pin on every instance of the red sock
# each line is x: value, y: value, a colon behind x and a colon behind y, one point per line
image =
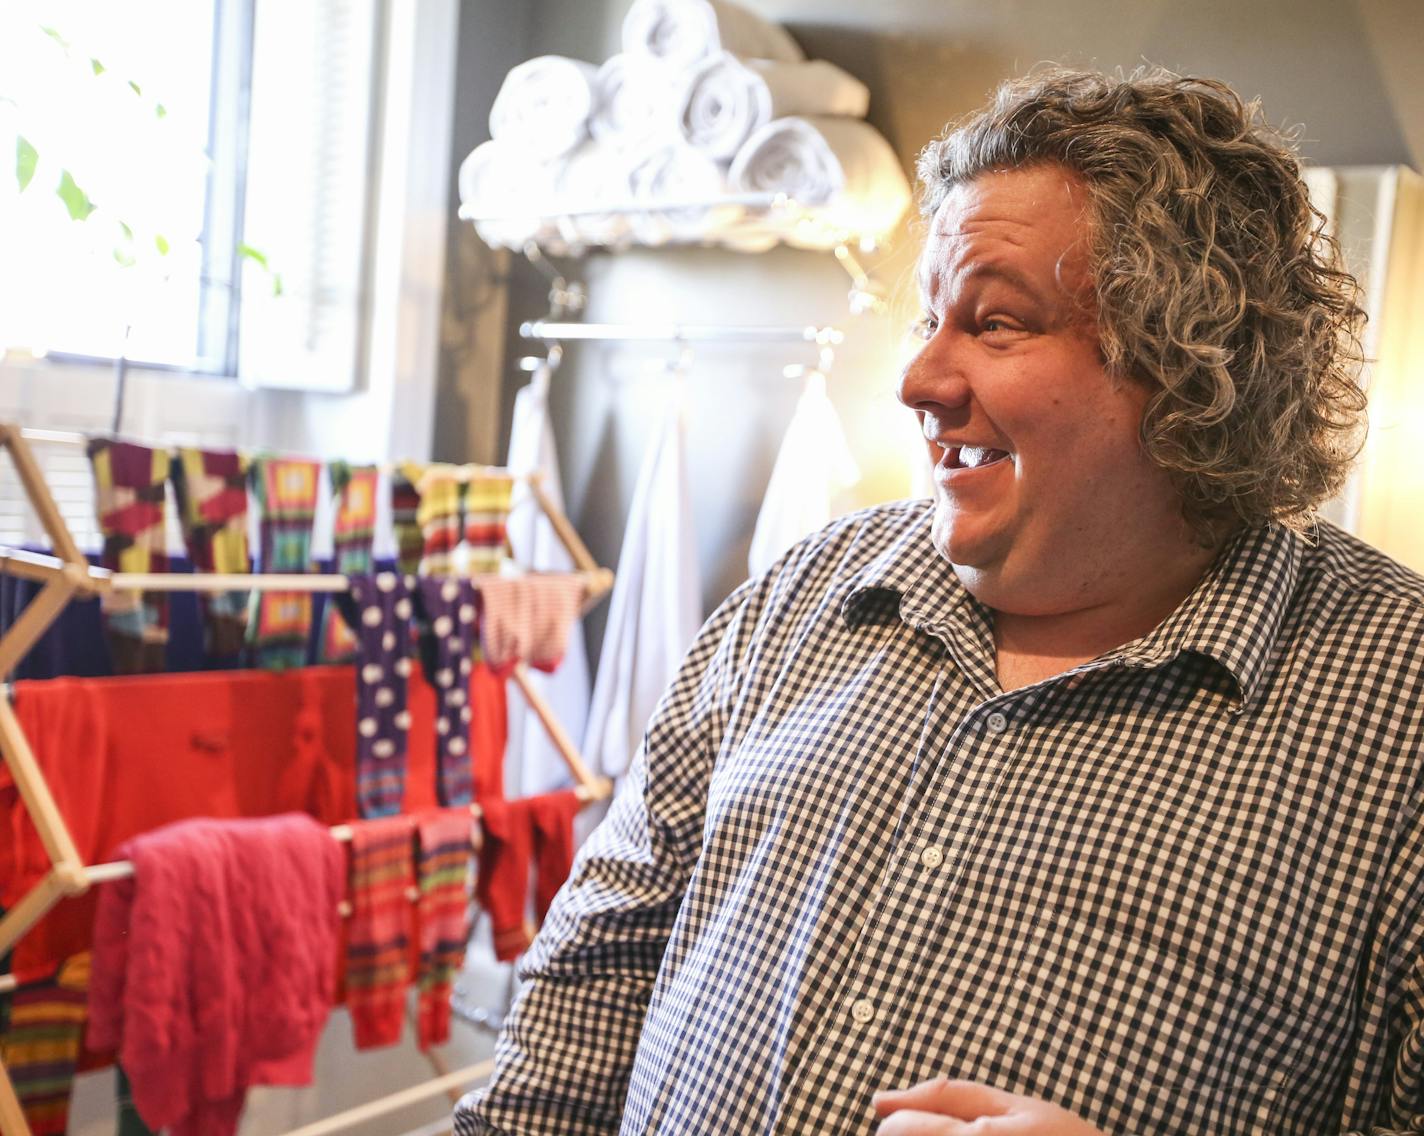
x: 443, y: 915
x: 504, y: 875
x: 553, y: 824
x: 378, y: 933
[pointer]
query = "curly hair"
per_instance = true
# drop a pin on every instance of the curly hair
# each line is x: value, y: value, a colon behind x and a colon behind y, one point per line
x: 1216, y: 282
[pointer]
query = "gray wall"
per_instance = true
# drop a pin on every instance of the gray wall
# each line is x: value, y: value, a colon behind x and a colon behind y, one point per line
x: 1349, y: 71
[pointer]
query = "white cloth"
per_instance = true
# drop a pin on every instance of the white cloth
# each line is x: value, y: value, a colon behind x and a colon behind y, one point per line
x: 533, y: 764
x: 655, y: 610
x: 678, y: 172
x: 637, y: 100
x: 812, y: 467
x: 725, y: 99
x: 841, y: 168
x: 596, y: 175
x: 681, y: 32
x: 507, y: 193
x: 544, y: 104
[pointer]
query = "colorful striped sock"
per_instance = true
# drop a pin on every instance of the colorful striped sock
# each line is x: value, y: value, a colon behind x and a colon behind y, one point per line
x: 41, y: 1046
x: 487, y: 503
x: 405, y: 517
x: 439, y: 516
x: 279, y: 624
x: 443, y: 915
x: 382, y: 875
x: 352, y: 540
x: 211, y: 487
x: 130, y: 495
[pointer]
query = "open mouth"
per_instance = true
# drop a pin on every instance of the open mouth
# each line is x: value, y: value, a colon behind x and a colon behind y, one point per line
x: 973, y: 457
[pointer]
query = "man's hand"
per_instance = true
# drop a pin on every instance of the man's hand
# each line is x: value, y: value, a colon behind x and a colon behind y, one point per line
x: 942, y: 1107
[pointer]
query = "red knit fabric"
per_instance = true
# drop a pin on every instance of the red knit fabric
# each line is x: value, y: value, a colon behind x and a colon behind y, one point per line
x: 378, y: 933
x: 214, y: 965
x: 503, y: 887
x: 552, y: 818
x: 442, y: 915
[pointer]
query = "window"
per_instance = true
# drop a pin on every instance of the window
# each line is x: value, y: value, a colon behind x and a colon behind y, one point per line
x: 196, y: 139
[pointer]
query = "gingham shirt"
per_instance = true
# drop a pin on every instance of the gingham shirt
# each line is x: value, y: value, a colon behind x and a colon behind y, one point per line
x: 1176, y: 889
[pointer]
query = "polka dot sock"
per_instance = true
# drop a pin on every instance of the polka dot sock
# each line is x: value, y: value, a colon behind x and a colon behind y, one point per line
x: 448, y: 644
x: 383, y: 613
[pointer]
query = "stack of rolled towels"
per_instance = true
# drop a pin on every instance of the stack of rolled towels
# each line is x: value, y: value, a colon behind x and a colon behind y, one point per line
x: 707, y: 114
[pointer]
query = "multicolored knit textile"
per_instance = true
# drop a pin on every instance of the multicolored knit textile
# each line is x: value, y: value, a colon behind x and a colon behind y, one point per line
x: 439, y: 516
x: 279, y: 623
x: 382, y: 874
x: 354, y: 532
x: 503, y: 883
x: 405, y: 509
x: 552, y: 819
x: 442, y: 914
x: 527, y: 619
x: 130, y: 496
x: 383, y: 645
x: 211, y: 487
x: 487, y: 502
x: 447, y: 623
x: 41, y: 1046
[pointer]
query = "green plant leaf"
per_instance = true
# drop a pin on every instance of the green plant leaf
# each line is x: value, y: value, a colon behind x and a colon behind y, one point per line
x: 26, y: 157
x: 160, y: 111
x: 276, y: 283
x: 74, y: 198
x: 135, y: 88
x: 54, y: 35
x: 246, y: 250
x: 160, y: 242
x: 97, y: 67
x: 128, y: 233
x: 124, y: 257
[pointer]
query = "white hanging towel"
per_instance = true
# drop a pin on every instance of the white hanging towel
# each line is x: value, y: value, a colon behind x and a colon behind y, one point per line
x: 725, y: 98
x: 681, y: 32
x: 655, y: 610
x: 841, y: 167
x: 506, y: 192
x: 533, y: 765
x: 543, y: 105
x: 812, y: 467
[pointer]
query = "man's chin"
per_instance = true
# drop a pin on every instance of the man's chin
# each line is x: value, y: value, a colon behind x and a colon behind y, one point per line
x: 962, y: 546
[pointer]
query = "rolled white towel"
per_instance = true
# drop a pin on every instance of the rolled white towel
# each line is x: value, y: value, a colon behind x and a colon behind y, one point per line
x: 597, y: 174
x: 676, y: 172
x: 507, y: 193
x: 842, y: 167
x: 680, y: 32
x: 726, y: 99
x: 637, y: 101
x: 544, y: 105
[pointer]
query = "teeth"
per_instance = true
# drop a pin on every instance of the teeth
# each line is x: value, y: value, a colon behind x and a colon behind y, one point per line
x: 973, y: 456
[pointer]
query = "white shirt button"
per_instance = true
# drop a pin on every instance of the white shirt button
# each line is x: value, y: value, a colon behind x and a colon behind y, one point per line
x: 997, y: 723
x: 932, y: 857
x: 862, y: 1010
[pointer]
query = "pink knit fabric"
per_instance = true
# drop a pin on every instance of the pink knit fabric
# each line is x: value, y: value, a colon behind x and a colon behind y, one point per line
x: 527, y: 619
x: 214, y: 965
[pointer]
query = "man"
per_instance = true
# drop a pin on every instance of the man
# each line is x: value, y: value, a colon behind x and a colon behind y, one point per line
x: 1084, y: 798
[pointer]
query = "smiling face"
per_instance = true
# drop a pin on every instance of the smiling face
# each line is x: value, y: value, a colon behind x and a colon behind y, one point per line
x: 1044, y: 498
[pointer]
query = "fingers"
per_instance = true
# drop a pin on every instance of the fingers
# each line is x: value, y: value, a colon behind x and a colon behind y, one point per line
x: 911, y: 1122
x: 962, y: 1100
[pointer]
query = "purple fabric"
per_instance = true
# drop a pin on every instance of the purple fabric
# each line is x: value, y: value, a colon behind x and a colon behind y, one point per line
x: 382, y: 611
x: 448, y: 625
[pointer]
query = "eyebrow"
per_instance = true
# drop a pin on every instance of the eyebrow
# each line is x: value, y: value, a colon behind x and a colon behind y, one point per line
x: 990, y: 271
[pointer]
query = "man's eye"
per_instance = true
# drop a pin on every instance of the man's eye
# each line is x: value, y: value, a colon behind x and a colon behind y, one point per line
x: 924, y: 327
x: 996, y: 325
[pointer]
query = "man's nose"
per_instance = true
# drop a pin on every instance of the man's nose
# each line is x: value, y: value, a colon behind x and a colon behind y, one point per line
x: 934, y: 379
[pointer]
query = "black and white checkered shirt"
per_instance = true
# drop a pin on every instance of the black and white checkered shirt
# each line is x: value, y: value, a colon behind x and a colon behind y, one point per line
x: 1175, y: 890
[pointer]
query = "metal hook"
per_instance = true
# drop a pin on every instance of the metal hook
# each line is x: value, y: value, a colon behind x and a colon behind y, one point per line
x: 865, y: 295
x: 564, y: 296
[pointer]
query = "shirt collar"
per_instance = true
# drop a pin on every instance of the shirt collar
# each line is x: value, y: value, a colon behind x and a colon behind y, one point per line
x: 1233, y: 616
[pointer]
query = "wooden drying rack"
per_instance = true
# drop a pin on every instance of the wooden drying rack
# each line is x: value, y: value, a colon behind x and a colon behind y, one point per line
x: 67, y: 575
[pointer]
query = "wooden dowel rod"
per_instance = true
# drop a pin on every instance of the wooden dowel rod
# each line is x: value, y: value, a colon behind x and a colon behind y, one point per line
x: 462, y: 1078
x: 37, y: 490
x: 36, y: 795
x: 227, y: 582
x: 564, y: 529
x: 553, y: 727
x: 33, y: 907
x: 12, y: 1116
x: 34, y: 621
